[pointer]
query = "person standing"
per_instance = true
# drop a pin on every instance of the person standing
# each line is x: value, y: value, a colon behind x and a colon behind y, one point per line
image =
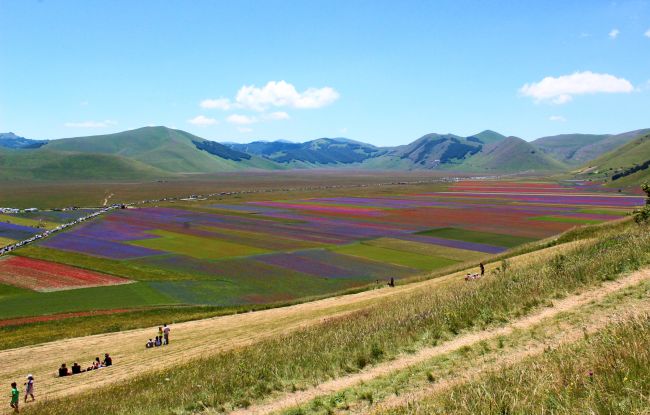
x: 29, y: 388
x: 160, y: 333
x: 14, y: 396
x: 166, y: 334
x: 482, y: 268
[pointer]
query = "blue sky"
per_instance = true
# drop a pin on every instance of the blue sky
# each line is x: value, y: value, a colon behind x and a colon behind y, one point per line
x: 381, y: 72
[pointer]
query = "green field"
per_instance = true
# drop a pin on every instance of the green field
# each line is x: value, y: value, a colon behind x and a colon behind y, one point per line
x: 18, y: 303
x: 197, y: 247
x: 488, y: 238
x: 407, y: 259
x: 426, y: 249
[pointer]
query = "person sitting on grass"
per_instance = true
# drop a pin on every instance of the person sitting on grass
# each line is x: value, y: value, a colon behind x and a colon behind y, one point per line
x: 149, y: 344
x: 14, y: 396
x: 63, y: 370
x: 95, y: 365
x: 108, y: 361
x: 76, y: 369
x: 158, y: 341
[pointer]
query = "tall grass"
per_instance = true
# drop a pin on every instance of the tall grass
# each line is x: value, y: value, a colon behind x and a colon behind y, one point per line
x: 607, y: 373
x: 347, y: 344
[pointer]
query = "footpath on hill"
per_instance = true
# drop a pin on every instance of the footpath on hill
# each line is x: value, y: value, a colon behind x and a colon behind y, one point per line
x: 194, y: 339
x: 573, y: 302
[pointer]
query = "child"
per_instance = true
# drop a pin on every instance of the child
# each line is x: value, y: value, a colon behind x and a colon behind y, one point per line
x: 14, y: 396
x: 158, y: 341
x: 149, y: 344
x: 29, y: 388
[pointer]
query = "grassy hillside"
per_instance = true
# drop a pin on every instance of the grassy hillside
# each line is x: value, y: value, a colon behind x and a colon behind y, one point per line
x: 43, y: 164
x: 169, y: 150
x: 577, y: 149
x: 625, y: 166
x: 510, y: 154
x: 488, y: 137
x: 569, y: 147
x: 427, y: 152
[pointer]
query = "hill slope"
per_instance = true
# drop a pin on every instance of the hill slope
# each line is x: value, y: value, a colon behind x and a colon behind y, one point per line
x: 509, y: 155
x: 427, y: 152
x: 172, y: 151
x: 577, y: 149
x: 315, y: 153
x: 487, y: 151
x: 42, y: 164
x: 628, y: 165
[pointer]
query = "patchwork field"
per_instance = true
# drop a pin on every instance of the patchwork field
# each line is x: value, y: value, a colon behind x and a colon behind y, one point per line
x: 227, y: 253
x: 19, y: 226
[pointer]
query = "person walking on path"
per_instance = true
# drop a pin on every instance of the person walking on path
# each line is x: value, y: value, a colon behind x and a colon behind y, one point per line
x: 29, y: 388
x: 482, y: 269
x: 166, y: 334
x: 14, y: 396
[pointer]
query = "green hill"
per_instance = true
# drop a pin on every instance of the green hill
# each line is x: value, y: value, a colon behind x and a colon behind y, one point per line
x: 41, y: 164
x: 428, y: 152
x: 628, y: 165
x: 577, y: 149
x: 172, y: 151
x: 487, y: 151
x: 509, y: 155
x: 322, y: 152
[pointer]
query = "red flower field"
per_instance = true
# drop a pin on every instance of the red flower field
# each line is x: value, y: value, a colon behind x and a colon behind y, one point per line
x: 38, y: 275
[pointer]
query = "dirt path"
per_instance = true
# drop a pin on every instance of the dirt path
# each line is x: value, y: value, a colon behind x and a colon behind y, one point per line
x: 570, y: 303
x: 195, y: 339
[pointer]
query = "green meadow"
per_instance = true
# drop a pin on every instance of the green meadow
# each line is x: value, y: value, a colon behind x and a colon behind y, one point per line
x: 407, y: 259
x: 508, y: 241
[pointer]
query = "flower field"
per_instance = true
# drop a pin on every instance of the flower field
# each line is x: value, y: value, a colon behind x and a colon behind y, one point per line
x: 40, y: 275
x: 262, y: 251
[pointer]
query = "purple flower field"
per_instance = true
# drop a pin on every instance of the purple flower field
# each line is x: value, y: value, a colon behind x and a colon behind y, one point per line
x: 306, y: 238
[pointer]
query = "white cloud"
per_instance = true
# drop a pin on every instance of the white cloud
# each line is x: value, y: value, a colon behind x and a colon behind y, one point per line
x: 241, y: 119
x: 90, y: 124
x: 219, y: 103
x: 647, y: 33
x: 279, y: 115
x: 203, y: 120
x: 613, y: 34
x: 283, y: 94
x: 557, y: 118
x: 244, y: 129
x: 562, y: 89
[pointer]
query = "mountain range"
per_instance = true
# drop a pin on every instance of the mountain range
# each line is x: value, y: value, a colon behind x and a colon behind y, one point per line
x: 158, y: 152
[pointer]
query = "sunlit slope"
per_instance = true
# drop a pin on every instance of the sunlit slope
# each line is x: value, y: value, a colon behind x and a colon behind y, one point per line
x: 509, y: 155
x: 41, y: 164
x: 625, y: 166
x: 169, y: 150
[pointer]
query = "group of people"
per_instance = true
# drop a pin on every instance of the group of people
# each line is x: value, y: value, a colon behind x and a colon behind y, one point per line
x: 161, y: 339
x: 76, y: 369
x: 475, y: 276
x: 15, y: 394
